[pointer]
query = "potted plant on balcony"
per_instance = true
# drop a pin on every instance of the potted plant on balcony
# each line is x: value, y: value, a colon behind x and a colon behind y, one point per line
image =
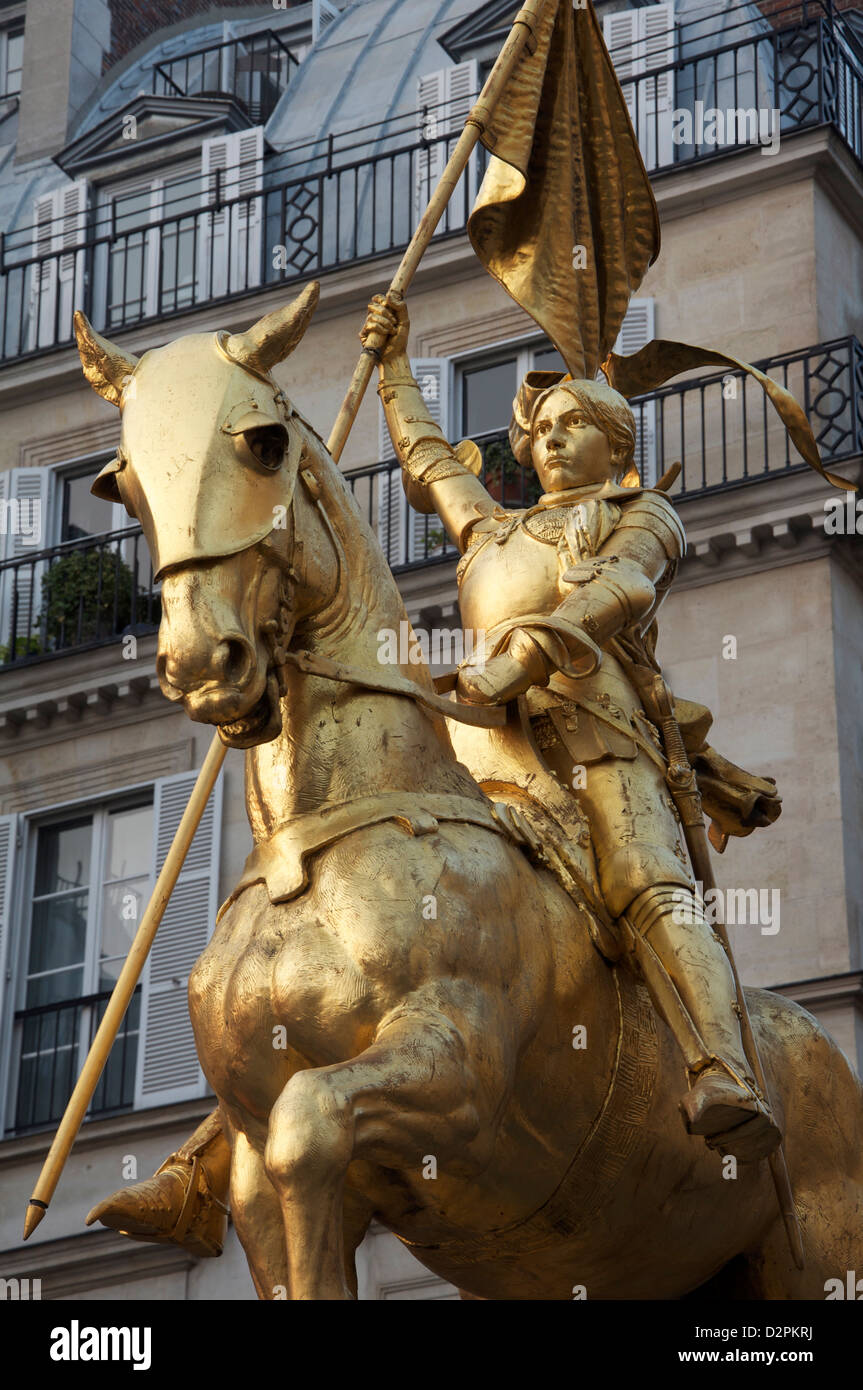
x: 505, y: 480
x: 86, y: 597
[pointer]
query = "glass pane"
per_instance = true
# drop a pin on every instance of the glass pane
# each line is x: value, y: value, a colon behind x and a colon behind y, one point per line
x: 59, y: 933
x: 14, y: 61
x: 116, y: 1086
x: 123, y: 905
x: 63, y: 856
x: 548, y: 360
x: 83, y: 514
x: 487, y: 395
x: 55, y: 988
x: 130, y: 850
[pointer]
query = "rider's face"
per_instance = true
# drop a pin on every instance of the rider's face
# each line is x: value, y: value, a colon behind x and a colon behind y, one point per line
x: 567, y: 451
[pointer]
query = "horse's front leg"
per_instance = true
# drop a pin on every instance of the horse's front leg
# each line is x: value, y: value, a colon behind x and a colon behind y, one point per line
x: 415, y: 1091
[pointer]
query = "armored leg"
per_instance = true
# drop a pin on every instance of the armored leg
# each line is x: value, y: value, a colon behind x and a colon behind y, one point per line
x: 184, y: 1203
x: 688, y: 975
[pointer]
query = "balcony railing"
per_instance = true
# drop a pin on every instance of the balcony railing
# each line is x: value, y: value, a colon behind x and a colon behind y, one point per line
x: 76, y: 595
x: 720, y: 428
x: 255, y: 71
x: 358, y: 196
x: 50, y: 1043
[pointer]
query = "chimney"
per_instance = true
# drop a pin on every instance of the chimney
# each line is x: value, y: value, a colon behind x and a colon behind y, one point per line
x: 63, y: 49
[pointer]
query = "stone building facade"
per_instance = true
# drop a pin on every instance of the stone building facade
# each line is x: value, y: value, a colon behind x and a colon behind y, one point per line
x: 191, y: 173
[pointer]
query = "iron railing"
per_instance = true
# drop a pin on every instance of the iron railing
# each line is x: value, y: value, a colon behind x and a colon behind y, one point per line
x: 51, y: 1041
x: 359, y: 197
x: 79, y: 594
x: 255, y: 71
x: 720, y: 428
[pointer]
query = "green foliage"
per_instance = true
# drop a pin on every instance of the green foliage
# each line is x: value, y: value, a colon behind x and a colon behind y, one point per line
x: 507, y: 482
x: 79, y: 593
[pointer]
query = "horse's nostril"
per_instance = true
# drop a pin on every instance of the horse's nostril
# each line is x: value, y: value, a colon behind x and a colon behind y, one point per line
x: 234, y: 659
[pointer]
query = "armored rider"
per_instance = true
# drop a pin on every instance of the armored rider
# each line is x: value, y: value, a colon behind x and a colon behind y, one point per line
x: 565, y: 594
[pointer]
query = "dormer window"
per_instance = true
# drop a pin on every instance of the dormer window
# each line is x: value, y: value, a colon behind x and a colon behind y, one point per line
x: 11, y: 59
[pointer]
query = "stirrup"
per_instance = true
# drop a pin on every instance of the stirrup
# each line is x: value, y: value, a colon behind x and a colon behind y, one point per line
x: 728, y: 1111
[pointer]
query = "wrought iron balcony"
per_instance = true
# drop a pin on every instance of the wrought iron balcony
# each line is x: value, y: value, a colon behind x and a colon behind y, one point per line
x: 345, y: 200
x: 50, y: 1042
x: 80, y: 594
x: 255, y: 71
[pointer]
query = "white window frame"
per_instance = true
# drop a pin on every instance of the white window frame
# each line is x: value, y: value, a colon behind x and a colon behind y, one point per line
x: 32, y: 823
x: 105, y: 195
x: 9, y: 29
x: 16, y: 915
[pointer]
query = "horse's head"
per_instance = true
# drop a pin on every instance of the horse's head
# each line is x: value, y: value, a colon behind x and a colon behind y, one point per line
x: 208, y: 462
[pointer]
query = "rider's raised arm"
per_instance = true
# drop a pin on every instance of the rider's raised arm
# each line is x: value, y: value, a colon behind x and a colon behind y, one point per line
x: 434, y: 477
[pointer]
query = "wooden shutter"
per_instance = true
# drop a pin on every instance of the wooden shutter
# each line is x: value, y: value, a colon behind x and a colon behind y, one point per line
x: 57, y: 284
x: 230, y: 238
x: 620, y: 31
x: 637, y: 330
x: 404, y: 534
x: 168, y: 1069
x: 21, y: 588
x: 641, y: 41
x: 444, y: 99
x: 43, y: 276
x: 8, y: 852
x: 430, y: 158
x: 657, y: 39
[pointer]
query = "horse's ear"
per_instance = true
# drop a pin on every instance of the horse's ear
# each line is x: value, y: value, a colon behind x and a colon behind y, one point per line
x: 106, y: 367
x: 274, y: 337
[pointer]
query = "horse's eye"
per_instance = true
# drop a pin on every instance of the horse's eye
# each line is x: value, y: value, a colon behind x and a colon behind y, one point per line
x: 268, y: 444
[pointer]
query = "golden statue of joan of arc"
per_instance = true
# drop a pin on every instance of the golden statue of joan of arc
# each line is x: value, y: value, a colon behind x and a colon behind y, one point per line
x: 565, y: 595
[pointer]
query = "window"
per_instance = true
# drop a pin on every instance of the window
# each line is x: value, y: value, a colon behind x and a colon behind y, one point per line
x: 11, y: 59
x: 90, y: 886
x: 486, y: 387
x: 150, y: 268
x: 73, y: 887
x: 81, y: 514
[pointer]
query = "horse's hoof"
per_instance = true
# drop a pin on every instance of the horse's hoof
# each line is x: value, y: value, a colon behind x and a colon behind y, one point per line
x: 730, y: 1117
x: 165, y: 1209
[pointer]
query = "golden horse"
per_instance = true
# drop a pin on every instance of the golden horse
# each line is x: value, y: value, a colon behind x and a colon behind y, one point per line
x: 388, y: 1005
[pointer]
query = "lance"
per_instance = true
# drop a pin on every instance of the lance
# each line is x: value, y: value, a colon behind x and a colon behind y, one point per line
x: 521, y: 38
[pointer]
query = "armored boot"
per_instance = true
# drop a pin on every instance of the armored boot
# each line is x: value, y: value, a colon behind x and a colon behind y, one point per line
x: 687, y: 973
x: 184, y: 1203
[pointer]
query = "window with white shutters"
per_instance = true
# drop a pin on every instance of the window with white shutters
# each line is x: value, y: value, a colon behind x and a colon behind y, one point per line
x: 638, y: 329
x: 168, y: 1068
x: 408, y: 536
x: 230, y: 233
x: 642, y: 42
x: 57, y: 273
x: 87, y: 882
x: 444, y: 99
x: 25, y: 505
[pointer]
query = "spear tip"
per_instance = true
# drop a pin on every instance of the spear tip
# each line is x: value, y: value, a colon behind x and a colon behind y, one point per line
x: 35, y: 1211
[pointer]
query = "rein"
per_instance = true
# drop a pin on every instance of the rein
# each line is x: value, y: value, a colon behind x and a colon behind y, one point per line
x: 481, y: 716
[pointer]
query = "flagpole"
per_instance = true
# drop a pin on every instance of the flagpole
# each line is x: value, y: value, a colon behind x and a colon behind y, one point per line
x: 522, y: 36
